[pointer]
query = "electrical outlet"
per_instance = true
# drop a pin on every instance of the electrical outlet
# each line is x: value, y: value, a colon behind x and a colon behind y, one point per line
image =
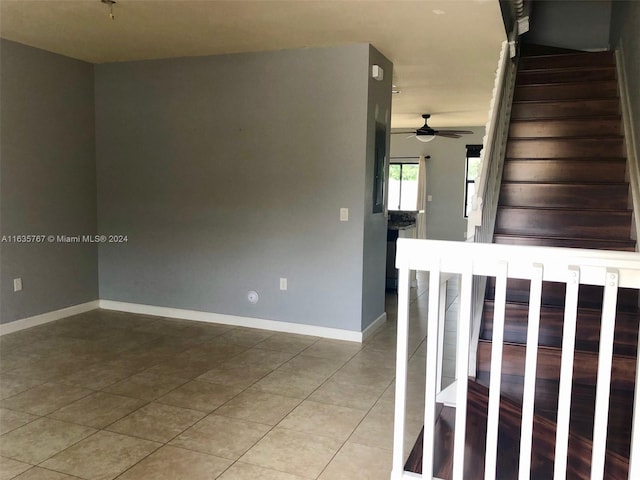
x: 283, y: 284
x: 344, y: 214
x: 429, y: 198
x: 17, y: 284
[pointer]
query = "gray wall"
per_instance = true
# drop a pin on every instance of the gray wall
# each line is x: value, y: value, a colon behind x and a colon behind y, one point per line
x: 579, y: 25
x: 445, y: 179
x: 227, y: 173
x: 48, y: 181
x: 625, y: 25
x: 375, y: 224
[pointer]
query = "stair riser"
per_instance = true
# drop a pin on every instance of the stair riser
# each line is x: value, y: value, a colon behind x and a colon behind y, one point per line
x: 561, y: 76
x: 565, y: 128
x: 563, y: 223
x: 569, y: 108
x: 564, y: 171
x: 565, y: 148
x: 585, y: 366
x: 596, y: 59
x: 605, y: 197
x: 553, y: 294
x: 564, y: 91
x: 551, y: 325
x: 629, y: 246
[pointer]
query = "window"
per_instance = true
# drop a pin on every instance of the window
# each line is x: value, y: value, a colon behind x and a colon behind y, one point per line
x: 403, y: 186
x: 471, y: 172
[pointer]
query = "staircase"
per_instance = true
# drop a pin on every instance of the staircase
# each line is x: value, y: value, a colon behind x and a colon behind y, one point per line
x: 563, y: 185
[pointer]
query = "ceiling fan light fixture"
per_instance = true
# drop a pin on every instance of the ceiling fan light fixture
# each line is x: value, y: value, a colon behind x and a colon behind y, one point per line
x: 425, y: 138
x: 110, y: 4
x: 426, y: 133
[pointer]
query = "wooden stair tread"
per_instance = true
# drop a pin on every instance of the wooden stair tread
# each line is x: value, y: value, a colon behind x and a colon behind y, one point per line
x: 574, y: 183
x: 582, y: 118
x: 565, y: 169
x: 580, y: 68
x: 564, y: 58
x: 533, y: 50
x: 560, y: 222
x: 565, y: 148
x: 560, y: 195
x: 565, y: 75
x: 558, y: 109
x: 583, y: 121
x: 611, y: 158
x: 553, y: 294
x: 565, y: 100
x: 565, y: 127
x: 562, y: 101
x: 551, y: 325
x: 585, y: 364
x: 575, y: 83
x: 558, y: 91
x: 587, y: 138
x: 585, y: 117
x: 567, y: 242
x: 624, y: 211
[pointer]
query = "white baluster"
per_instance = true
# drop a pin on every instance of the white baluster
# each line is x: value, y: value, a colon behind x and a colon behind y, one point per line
x: 462, y: 365
x: 634, y: 457
x: 497, y: 338
x: 434, y: 321
x: 401, y: 373
x: 530, y: 368
x: 566, y: 374
x: 605, y: 357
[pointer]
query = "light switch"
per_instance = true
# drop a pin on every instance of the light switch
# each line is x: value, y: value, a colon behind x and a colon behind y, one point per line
x: 17, y: 284
x: 283, y: 283
x: 429, y: 198
x: 344, y: 214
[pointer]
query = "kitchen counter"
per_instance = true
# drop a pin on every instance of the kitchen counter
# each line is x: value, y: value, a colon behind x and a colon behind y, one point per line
x: 395, y: 231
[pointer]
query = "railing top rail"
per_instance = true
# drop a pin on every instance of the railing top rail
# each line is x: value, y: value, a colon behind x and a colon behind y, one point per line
x: 454, y: 257
x: 495, y: 109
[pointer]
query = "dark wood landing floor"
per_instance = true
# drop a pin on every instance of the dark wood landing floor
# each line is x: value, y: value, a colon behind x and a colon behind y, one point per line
x: 616, y: 466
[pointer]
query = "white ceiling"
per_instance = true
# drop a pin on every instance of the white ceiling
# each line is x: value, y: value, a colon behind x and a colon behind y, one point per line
x: 444, y: 52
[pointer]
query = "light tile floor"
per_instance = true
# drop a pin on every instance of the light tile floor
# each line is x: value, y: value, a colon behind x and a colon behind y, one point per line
x: 107, y: 395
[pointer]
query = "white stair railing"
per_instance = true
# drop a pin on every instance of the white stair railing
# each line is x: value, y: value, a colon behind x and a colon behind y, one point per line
x: 574, y: 267
x: 631, y: 141
x: 482, y: 218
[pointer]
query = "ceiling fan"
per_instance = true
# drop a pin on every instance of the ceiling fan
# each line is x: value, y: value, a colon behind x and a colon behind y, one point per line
x: 426, y: 133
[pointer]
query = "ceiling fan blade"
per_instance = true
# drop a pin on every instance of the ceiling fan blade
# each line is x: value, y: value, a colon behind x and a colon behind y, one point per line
x: 457, y: 132
x: 401, y: 132
x: 446, y: 134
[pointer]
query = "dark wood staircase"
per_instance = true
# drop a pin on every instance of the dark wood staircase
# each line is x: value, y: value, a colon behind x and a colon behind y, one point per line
x: 563, y: 185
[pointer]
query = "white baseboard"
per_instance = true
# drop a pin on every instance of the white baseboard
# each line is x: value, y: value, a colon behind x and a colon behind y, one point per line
x: 47, y: 317
x: 273, y: 325
x: 373, y: 328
